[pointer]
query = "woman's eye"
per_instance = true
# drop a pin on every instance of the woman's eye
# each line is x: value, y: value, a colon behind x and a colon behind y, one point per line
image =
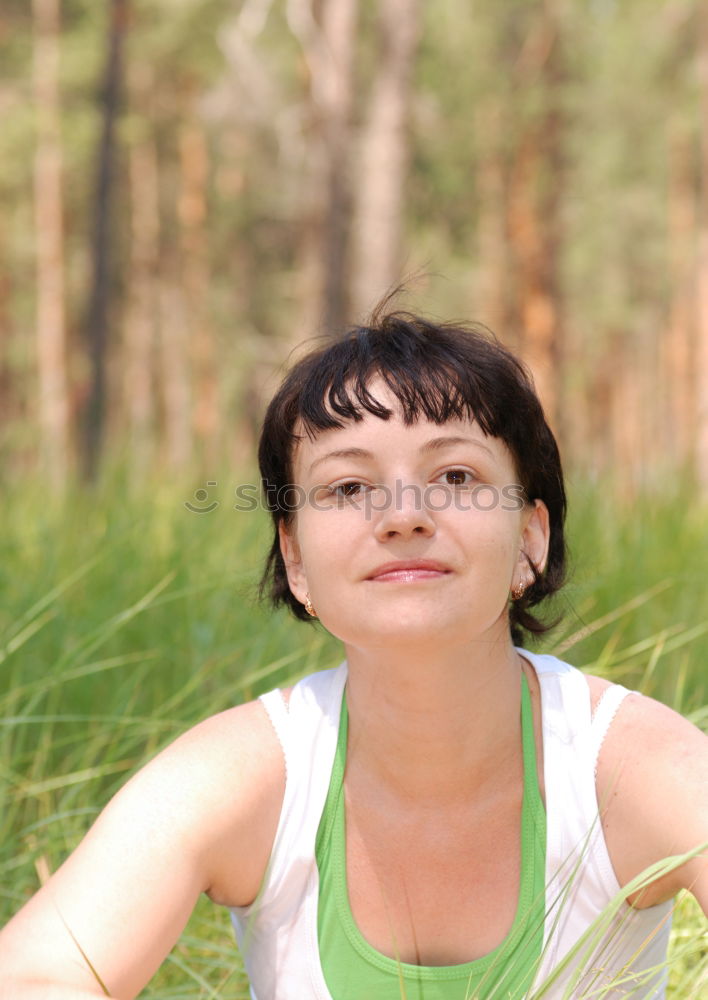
x: 457, y: 477
x: 348, y: 490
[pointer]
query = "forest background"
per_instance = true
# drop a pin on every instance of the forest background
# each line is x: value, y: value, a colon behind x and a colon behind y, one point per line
x: 189, y: 190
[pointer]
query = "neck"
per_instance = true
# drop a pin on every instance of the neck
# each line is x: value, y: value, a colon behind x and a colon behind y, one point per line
x: 432, y: 726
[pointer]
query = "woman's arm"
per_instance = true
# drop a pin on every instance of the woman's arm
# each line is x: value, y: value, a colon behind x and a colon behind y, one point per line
x: 201, y: 817
x: 652, y: 781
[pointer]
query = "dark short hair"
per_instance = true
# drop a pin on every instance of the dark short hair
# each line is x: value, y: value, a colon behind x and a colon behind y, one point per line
x: 439, y: 371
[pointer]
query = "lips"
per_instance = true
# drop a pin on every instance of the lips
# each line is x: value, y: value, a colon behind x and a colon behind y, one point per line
x: 409, y: 570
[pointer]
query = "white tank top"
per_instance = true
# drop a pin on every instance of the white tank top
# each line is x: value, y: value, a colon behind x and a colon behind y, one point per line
x: 277, y: 934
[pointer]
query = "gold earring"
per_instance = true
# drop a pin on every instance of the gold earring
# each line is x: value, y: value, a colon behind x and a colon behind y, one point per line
x: 309, y: 607
x: 518, y: 591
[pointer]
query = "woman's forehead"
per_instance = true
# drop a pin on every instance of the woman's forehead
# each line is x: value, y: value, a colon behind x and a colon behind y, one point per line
x: 372, y: 436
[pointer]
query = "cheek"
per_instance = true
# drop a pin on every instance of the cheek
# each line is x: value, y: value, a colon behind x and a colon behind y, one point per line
x: 325, y: 540
x: 493, y: 532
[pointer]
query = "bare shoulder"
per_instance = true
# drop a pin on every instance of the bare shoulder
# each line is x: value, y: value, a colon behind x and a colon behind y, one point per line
x: 226, y: 775
x: 652, y: 784
x: 200, y: 817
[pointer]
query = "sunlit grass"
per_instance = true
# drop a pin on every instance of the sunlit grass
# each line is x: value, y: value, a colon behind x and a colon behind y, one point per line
x: 124, y: 621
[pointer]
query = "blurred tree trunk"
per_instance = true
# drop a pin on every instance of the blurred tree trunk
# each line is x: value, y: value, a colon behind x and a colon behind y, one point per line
x: 98, y: 307
x: 379, y: 192
x: 8, y: 387
x: 140, y: 328
x: 678, y: 345
x: 492, y: 251
x: 701, y: 358
x: 535, y: 197
x: 596, y: 401
x: 338, y: 26
x: 53, y: 403
x: 625, y: 423
x: 174, y: 364
x: 192, y: 213
x: 326, y: 30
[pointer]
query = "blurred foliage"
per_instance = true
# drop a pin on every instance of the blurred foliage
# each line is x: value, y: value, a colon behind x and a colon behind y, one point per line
x: 625, y: 101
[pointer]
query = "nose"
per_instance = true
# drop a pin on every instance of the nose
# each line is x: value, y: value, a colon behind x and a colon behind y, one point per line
x: 402, y: 511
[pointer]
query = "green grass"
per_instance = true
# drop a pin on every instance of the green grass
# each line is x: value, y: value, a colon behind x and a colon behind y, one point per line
x: 124, y: 619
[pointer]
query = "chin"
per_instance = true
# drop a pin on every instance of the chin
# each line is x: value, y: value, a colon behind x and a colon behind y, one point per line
x: 414, y: 627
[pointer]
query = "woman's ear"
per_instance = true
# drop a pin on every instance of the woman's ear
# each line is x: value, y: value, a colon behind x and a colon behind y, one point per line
x: 535, y: 536
x: 290, y: 551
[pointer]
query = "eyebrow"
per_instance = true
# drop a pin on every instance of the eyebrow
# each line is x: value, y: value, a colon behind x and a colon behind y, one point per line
x: 342, y: 453
x: 435, y: 444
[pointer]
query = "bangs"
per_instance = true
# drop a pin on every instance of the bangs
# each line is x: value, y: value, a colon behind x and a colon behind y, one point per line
x: 428, y: 376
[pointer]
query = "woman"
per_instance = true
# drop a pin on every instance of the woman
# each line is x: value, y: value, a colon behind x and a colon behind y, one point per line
x: 423, y: 820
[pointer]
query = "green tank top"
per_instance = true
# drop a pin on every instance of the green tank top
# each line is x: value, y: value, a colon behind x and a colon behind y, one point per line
x: 353, y: 970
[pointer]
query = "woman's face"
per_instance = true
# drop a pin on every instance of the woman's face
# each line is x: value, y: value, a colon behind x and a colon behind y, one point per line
x: 410, y: 533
